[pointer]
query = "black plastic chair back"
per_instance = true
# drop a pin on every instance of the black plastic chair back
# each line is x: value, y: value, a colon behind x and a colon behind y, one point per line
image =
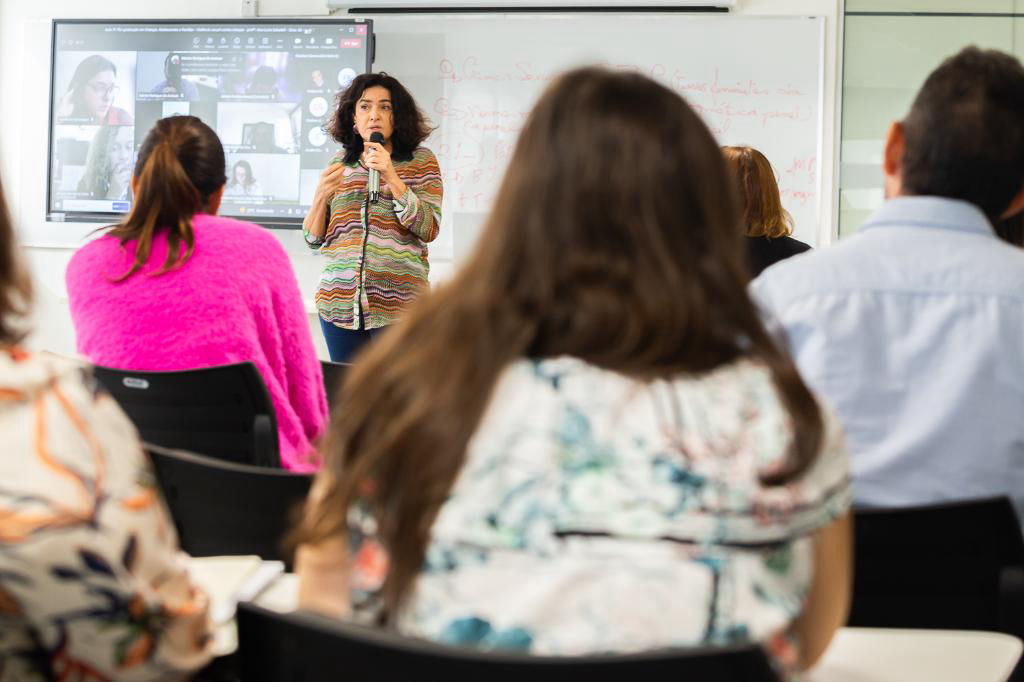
x: 275, y: 647
x: 223, y: 412
x: 334, y: 375
x: 936, y: 566
x: 226, y: 509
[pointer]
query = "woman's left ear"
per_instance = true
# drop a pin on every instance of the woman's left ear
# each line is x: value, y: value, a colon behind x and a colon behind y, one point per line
x: 213, y: 203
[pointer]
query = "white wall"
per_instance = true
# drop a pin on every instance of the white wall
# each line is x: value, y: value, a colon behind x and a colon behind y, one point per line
x: 24, y: 80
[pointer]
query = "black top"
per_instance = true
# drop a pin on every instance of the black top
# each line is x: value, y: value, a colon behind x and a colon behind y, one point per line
x: 763, y: 251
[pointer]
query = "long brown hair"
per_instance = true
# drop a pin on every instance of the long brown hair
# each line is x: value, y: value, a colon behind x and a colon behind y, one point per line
x: 760, y: 203
x: 15, y: 286
x: 180, y: 165
x: 89, y: 67
x: 614, y: 239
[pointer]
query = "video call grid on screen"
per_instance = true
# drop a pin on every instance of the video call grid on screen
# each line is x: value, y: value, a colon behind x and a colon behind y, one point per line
x: 266, y: 87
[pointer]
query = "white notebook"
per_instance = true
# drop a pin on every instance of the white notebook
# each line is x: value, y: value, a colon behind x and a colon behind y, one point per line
x: 228, y: 580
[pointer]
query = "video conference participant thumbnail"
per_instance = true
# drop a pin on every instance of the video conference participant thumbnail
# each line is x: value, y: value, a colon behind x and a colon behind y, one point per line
x: 96, y: 88
x: 263, y: 128
x: 261, y: 76
x: 257, y: 178
x: 94, y: 164
x: 175, y: 76
x: 262, y: 143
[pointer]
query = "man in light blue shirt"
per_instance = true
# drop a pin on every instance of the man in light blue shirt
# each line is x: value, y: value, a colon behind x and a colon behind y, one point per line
x: 914, y: 328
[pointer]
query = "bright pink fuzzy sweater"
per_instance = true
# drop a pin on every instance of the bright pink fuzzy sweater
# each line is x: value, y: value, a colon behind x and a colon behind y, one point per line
x: 234, y: 300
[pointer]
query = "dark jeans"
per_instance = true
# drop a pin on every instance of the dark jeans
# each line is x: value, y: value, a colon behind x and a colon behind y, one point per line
x: 342, y: 344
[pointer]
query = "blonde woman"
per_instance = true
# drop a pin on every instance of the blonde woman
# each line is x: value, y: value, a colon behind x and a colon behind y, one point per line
x: 768, y: 225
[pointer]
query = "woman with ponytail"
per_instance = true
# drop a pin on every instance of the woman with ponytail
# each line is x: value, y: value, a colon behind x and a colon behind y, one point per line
x: 587, y: 441
x: 174, y: 286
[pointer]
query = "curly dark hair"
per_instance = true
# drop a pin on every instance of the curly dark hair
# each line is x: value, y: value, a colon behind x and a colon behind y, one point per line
x: 411, y: 126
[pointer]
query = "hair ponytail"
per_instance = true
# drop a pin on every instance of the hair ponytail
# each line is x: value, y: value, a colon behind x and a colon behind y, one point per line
x: 180, y: 165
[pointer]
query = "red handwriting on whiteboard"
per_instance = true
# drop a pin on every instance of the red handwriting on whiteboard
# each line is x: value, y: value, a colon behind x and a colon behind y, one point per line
x: 475, y: 120
x: 747, y: 87
x: 469, y: 69
x: 485, y: 105
x: 798, y: 180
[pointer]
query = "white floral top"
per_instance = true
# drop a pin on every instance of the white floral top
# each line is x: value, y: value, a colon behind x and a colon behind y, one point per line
x: 93, y: 586
x: 596, y: 513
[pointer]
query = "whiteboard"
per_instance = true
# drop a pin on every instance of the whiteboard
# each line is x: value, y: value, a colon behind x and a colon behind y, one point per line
x: 755, y: 80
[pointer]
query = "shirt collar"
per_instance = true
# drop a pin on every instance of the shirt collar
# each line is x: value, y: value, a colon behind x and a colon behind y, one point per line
x: 931, y: 212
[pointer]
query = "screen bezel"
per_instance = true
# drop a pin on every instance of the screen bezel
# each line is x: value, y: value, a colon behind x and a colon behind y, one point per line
x: 111, y: 217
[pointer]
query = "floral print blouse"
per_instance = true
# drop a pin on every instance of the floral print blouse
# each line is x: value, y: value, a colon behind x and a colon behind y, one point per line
x: 92, y: 584
x: 596, y: 513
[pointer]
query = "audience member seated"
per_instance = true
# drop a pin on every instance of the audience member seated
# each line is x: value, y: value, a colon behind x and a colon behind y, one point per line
x: 912, y: 328
x: 587, y: 441
x: 92, y: 583
x: 768, y: 226
x: 176, y: 287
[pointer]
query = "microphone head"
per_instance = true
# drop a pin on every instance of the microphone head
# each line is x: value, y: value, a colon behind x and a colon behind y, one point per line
x: 377, y: 137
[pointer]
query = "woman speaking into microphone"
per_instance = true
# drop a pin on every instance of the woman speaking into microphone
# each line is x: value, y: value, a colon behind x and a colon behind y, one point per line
x: 375, y: 243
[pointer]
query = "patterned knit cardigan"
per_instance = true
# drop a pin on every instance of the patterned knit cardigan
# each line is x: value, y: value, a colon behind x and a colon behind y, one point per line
x: 377, y: 262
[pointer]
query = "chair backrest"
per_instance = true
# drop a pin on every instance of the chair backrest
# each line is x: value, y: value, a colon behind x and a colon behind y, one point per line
x: 334, y: 375
x: 222, y: 412
x: 308, y: 647
x: 936, y: 566
x: 226, y: 509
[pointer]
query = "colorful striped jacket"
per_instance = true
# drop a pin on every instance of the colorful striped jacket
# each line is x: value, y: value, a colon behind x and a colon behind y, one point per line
x: 378, y: 261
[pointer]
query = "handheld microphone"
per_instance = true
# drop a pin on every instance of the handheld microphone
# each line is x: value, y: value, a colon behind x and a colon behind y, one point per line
x: 373, y: 186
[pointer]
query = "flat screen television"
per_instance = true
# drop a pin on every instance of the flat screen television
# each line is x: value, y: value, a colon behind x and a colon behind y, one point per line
x: 266, y: 87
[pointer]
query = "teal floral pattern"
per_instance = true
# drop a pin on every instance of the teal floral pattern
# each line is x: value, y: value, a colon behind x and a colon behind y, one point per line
x: 596, y: 513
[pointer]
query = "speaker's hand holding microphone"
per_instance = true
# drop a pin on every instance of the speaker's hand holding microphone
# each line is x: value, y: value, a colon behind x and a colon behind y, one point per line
x: 376, y: 159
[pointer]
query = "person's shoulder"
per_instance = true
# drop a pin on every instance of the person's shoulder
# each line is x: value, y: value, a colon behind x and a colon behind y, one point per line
x: 812, y: 270
x: 26, y: 373
x: 1005, y: 260
x: 247, y: 241
x: 96, y: 251
x: 223, y: 228
x: 27, y: 376
x: 119, y: 117
x: 744, y: 377
x: 98, y: 244
x: 224, y: 225
x: 423, y: 165
x: 423, y: 156
x: 794, y: 245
